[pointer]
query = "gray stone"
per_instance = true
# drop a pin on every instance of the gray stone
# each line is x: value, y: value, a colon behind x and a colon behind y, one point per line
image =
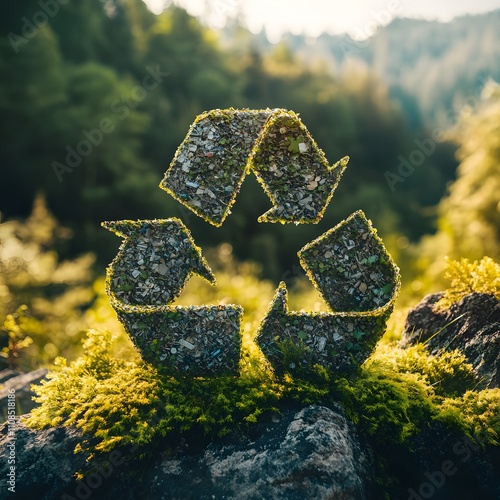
x: 22, y: 385
x: 7, y: 374
x: 471, y: 325
x: 314, y: 453
x: 311, y: 454
x: 44, y: 459
x: 318, y: 457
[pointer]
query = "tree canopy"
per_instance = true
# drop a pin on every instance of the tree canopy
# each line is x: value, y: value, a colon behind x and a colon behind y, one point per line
x: 95, y: 101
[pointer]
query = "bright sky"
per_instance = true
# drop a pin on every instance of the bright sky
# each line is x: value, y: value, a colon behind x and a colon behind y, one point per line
x: 360, y: 18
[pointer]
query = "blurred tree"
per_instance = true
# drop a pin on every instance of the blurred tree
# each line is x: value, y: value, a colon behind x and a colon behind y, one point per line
x: 469, y: 216
x: 16, y: 326
x: 41, y: 298
x: 81, y: 125
x: 32, y: 90
x: 79, y: 28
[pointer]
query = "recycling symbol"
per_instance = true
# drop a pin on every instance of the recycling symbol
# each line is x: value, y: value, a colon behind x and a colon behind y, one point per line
x: 348, y: 264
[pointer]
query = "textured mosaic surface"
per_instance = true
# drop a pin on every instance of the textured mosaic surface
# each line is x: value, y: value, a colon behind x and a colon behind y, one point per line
x: 348, y: 264
x: 194, y: 340
x: 223, y: 146
x: 155, y: 261
x: 358, y: 280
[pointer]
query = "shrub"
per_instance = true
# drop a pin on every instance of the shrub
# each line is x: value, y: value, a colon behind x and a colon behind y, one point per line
x: 119, y: 402
x: 468, y: 277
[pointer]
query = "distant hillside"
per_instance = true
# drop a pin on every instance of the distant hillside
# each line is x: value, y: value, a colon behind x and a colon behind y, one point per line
x: 432, y: 68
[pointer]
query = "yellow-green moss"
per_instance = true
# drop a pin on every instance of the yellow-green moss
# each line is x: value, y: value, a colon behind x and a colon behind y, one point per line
x: 447, y: 373
x: 468, y: 277
x: 391, y: 397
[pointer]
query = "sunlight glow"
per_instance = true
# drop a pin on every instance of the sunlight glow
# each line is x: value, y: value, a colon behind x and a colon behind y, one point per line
x: 359, y: 18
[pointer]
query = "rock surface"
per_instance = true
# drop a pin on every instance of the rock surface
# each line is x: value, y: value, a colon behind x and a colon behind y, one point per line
x: 7, y: 374
x: 311, y: 454
x: 446, y: 465
x: 471, y: 325
x: 44, y: 459
x: 316, y: 456
x: 21, y: 383
x: 314, y: 453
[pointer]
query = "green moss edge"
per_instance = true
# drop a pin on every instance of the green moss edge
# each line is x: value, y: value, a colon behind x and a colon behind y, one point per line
x: 388, y: 307
x: 275, y: 114
x: 121, y: 228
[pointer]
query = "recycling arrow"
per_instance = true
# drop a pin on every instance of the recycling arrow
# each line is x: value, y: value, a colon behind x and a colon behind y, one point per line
x: 293, y: 171
x: 348, y: 264
x: 223, y: 146
x: 155, y: 261
x: 358, y: 279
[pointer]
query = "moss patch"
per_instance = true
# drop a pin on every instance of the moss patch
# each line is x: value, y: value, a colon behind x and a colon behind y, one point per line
x: 468, y: 277
x: 391, y: 397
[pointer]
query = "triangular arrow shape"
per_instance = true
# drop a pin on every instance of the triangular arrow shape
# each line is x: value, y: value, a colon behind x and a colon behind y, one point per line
x: 209, y: 166
x: 221, y: 148
x: 359, y: 281
x: 293, y: 171
x: 155, y: 260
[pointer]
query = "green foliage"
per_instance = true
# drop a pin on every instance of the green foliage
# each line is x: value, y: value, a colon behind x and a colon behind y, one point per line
x: 469, y: 216
x: 41, y: 297
x: 16, y: 326
x: 119, y: 403
x: 295, y: 355
x: 88, y: 64
x: 387, y: 403
x: 447, y: 373
x: 468, y: 277
x: 74, y: 74
x: 105, y: 397
x: 476, y: 414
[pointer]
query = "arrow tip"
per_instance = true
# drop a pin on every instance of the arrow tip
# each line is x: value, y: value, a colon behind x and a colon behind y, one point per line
x: 312, y: 203
x: 341, y: 164
x: 200, y: 265
x: 120, y: 227
x: 271, y: 328
x: 203, y: 270
x: 277, y: 308
x: 279, y: 304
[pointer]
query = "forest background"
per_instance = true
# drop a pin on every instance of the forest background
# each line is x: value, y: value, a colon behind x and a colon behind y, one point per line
x: 95, y: 97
